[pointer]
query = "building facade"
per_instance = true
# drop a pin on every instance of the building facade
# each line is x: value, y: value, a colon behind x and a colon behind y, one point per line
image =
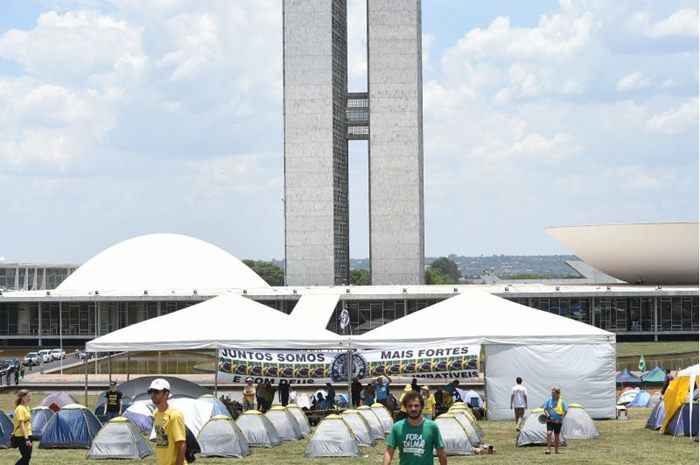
x: 33, y: 276
x: 321, y: 118
x: 631, y: 312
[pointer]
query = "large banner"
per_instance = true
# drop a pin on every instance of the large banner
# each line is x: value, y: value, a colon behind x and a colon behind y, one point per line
x: 312, y: 367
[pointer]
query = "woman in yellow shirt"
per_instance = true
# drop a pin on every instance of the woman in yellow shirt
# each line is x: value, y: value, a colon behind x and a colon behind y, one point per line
x: 429, y: 403
x: 21, y: 436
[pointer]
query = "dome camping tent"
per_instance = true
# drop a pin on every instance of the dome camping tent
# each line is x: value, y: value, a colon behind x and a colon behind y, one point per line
x: 578, y: 424
x: 196, y: 413
x: 376, y: 430
x: 6, y: 429
x: 453, y: 435
x: 656, y: 376
x: 332, y: 438
x: 384, y: 416
x: 285, y: 423
x: 680, y: 405
x: 642, y: 399
x: 359, y: 427
x: 40, y: 416
x: 472, y: 434
x: 258, y: 429
x: 656, y: 417
x: 301, y: 419
x: 534, y: 432
x: 119, y: 439
x: 57, y: 400
x: 220, y: 437
x: 466, y: 414
x: 72, y: 427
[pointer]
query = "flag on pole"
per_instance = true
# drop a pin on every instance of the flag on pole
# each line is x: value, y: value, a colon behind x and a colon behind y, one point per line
x: 642, y: 364
x: 344, y: 319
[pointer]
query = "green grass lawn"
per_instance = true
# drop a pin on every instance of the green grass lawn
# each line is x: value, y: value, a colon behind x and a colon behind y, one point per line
x: 621, y: 443
x: 652, y: 348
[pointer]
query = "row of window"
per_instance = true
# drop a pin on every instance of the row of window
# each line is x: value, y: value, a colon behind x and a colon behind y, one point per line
x: 617, y: 314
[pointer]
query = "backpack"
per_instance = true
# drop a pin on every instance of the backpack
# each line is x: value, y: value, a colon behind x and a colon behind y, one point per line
x: 191, y: 446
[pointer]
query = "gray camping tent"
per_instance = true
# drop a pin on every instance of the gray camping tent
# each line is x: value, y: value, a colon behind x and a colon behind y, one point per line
x: 220, y: 437
x: 376, y: 430
x: 258, y: 429
x: 468, y: 427
x: 285, y: 423
x: 578, y: 424
x: 384, y: 416
x: 359, y: 427
x: 532, y: 432
x: 119, y: 439
x: 301, y: 419
x: 453, y: 435
x: 332, y: 438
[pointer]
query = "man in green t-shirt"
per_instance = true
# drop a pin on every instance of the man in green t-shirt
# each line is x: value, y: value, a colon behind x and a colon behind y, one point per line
x: 416, y: 437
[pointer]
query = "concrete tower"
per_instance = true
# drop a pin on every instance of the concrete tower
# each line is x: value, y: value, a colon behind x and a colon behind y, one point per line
x: 320, y: 117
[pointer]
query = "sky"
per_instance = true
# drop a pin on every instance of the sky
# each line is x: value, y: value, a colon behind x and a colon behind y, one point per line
x: 125, y: 117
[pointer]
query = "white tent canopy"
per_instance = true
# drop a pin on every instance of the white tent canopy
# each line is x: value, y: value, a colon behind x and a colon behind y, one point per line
x: 226, y: 321
x: 477, y: 317
x: 542, y: 348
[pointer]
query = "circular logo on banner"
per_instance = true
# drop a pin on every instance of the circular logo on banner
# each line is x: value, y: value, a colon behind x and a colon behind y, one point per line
x: 339, y: 370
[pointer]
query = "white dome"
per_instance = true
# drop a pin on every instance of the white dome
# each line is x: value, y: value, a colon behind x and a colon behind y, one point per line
x: 162, y: 262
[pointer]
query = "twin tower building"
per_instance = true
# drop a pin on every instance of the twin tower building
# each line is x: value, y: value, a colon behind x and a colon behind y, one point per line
x: 320, y: 119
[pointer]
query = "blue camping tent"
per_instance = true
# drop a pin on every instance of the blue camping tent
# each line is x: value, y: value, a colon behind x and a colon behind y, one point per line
x: 626, y: 377
x: 656, y: 418
x: 641, y: 400
x: 40, y: 416
x: 72, y: 427
x: 680, y: 423
x: 6, y: 429
x: 657, y: 375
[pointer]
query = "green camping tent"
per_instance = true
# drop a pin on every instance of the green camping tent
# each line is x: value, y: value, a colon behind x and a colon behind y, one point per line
x: 657, y: 375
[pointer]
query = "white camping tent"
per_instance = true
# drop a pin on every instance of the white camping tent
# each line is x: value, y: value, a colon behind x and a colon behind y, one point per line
x: 209, y: 325
x: 301, y: 419
x: 453, y: 435
x: 376, y: 430
x: 384, y: 416
x: 119, y: 439
x: 359, y: 427
x: 543, y: 348
x: 578, y: 424
x: 332, y: 438
x: 258, y: 429
x: 221, y: 437
x: 285, y: 423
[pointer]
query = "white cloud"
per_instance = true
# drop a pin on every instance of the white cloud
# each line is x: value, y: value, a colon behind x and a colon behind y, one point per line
x: 72, y: 46
x: 682, y: 23
x: 633, y: 81
x: 677, y: 120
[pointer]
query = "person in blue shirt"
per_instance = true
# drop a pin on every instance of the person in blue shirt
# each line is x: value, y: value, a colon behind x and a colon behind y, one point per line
x: 555, y: 409
x: 381, y: 390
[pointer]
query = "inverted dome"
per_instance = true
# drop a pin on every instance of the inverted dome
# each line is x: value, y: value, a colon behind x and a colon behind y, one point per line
x: 653, y: 253
x: 162, y: 262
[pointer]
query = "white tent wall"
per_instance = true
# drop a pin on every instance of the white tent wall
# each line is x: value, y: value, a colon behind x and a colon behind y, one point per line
x: 584, y: 372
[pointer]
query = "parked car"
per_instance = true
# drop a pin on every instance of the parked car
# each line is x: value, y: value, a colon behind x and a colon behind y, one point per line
x: 58, y: 354
x: 45, y: 355
x: 32, y: 358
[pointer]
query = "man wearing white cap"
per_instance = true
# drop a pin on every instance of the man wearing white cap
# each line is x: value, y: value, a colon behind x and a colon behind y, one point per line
x: 169, y: 425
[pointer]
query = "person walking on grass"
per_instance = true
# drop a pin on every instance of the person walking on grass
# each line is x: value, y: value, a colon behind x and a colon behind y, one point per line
x: 415, y: 437
x: 518, y: 400
x: 555, y: 409
x: 169, y: 425
x: 22, y: 422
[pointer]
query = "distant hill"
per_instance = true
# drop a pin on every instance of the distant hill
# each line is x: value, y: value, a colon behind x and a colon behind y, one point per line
x: 502, y: 266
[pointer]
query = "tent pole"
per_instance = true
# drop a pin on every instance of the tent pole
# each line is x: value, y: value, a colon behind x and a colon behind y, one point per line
x: 350, y: 375
x: 128, y: 365
x: 85, y: 365
x: 216, y: 369
x: 109, y: 366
